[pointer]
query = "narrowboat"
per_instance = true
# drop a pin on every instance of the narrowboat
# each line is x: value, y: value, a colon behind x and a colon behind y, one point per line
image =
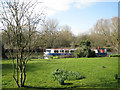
x: 100, y: 52
x: 58, y: 52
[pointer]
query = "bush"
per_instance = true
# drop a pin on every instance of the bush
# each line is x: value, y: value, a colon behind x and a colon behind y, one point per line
x: 62, y: 75
x: 53, y: 57
x: 66, y: 56
x: 77, y: 53
x: 84, y: 53
x: 61, y: 81
x: 84, y: 50
x: 57, y: 57
x: 74, y: 76
x: 92, y: 54
x: 116, y: 55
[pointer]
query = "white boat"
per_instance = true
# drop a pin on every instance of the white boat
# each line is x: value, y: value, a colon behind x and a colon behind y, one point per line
x: 57, y: 52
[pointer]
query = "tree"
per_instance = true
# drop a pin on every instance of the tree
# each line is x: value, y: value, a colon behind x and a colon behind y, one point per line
x: 19, y: 22
x: 106, y: 32
x: 84, y: 50
x: 49, y: 33
x: 82, y: 37
x: 97, y: 40
x: 65, y: 36
x: 53, y: 36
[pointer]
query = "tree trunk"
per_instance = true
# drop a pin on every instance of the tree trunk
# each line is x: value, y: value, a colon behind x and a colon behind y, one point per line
x: 14, y: 75
x: 17, y: 81
x: 21, y: 79
x: 24, y: 77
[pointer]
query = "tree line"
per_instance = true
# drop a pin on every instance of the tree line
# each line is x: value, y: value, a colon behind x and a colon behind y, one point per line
x: 50, y: 35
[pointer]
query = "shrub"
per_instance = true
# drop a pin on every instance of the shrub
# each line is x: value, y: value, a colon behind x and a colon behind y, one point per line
x: 66, y: 56
x: 74, y: 76
x: 62, y: 75
x: 77, y: 53
x: 116, y: 55
x: 92, y: 54
x: 61, y: 81
x: 84, y: 53
x: 56, y: 57
x: 84, y: 50
x: 53, y: 57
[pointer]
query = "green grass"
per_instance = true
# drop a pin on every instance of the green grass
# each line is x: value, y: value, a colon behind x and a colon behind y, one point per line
x: 39, y: 73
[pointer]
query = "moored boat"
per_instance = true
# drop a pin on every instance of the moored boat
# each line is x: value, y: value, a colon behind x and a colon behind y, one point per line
x: 58, y: 52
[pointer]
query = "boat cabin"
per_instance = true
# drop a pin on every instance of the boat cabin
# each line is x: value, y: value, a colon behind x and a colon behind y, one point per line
x: 58, y: 52
x: 100, y: 51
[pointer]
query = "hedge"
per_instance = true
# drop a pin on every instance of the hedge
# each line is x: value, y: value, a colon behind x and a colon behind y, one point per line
x: 115, y: 55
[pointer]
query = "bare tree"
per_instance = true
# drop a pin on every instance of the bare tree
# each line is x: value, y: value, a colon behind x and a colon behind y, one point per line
x: 19, y: 22
x: 106, y: 30
x: 49, y: 32
x: 114, y: 34
x: 66, y: 36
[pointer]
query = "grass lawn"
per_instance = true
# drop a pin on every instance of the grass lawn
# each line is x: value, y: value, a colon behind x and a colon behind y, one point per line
x: 39, y: 73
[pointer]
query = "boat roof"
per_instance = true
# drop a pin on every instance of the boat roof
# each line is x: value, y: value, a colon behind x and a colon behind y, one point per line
x: 60, y: 49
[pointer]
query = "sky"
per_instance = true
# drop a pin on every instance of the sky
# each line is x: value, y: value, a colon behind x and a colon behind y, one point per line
x: 82, y: 19
x: 83, y: 16
x: 80, y: 15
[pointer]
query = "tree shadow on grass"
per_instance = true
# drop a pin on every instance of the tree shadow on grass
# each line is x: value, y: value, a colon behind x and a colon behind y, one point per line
x: 32, y: 87
x: 6, y: 66
x: 68, y: 83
